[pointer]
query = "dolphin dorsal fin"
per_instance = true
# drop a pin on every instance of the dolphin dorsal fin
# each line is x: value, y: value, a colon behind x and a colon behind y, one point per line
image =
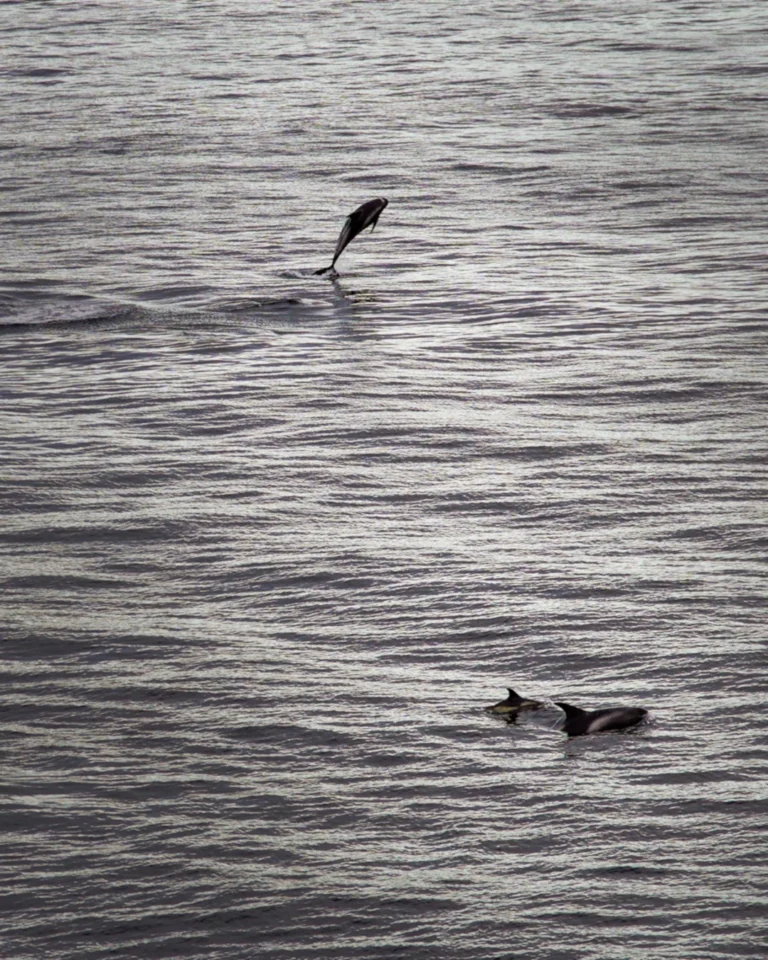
x: 569, y: 710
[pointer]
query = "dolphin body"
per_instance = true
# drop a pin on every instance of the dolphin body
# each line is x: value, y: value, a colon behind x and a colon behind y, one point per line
x: 366, y: 215
x: 579, y: 722
x: 513, y: 704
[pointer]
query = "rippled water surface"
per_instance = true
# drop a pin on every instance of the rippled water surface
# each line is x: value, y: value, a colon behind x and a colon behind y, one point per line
x: 270, y: 542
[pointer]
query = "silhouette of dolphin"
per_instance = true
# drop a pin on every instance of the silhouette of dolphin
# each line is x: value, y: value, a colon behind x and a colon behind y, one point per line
x: 513, y: 704
x: 365, y: 215
x: 579, y: 722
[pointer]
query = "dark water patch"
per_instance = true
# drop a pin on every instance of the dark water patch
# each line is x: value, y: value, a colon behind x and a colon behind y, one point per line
x: 740, y: 69
x: 592, y: 110
x: 63, y: 582
x: 293, y: 735
x: 93, y: 534
x: 37, y: 73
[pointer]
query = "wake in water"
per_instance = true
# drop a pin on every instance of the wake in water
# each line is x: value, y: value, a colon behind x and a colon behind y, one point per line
x: 63, y: 311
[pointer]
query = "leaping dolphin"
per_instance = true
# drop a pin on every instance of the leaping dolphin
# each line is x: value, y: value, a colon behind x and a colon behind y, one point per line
x: 366, y: 215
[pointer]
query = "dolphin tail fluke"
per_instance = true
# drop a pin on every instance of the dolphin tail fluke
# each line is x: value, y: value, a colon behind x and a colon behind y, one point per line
x: 331, y: 271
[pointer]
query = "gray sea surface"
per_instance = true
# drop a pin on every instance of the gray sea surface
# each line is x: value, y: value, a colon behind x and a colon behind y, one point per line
x: 270, y: 542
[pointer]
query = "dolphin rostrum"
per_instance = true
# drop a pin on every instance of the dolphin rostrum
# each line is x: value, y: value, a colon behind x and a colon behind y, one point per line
x: 366, y: 215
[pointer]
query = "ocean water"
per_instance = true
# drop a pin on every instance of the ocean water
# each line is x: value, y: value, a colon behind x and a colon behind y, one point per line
x: 270, y: 542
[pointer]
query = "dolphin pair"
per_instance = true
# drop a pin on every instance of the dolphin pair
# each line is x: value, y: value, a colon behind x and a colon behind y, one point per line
x: 577, y: 721
x: 366, y: 215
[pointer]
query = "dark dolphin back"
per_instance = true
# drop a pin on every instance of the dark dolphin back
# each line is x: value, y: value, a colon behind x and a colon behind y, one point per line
x: 578, y: 721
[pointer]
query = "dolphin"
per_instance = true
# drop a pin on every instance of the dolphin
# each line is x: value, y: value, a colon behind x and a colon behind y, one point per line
x: 579, y: 722
x: 513, y: 704
x: 366, y: 215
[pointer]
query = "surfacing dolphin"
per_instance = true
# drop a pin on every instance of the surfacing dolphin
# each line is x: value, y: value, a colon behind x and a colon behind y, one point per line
x: 366, y: 215
x: 579, y: 722
x: 514, y: 704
